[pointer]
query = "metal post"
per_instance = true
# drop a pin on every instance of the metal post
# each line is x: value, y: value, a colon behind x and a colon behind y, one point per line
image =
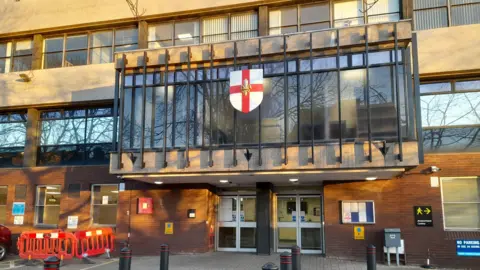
x: 165, y: 111
x: 144, y: 99
x: 296, y: 258
x: 187, y: 143
x: 285, y: 261
x: 416, y: 86
x: 234, y: 161
x: 164, y: 253
x: 339, y: 90
x: 269, y: 266
x: 125, y: 262
x: 51, y: 263
x: 210, y: 154
x: 397, y: 95
x: 367, y: 82
x: 122, y: 105
x: 115, y: 110
x: 311, y: 100
x: 371, y: 258
x: 260, y: 108
x: 285, y: 99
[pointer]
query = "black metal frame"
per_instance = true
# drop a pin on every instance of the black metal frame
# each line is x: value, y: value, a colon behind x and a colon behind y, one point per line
x: 209, y: 81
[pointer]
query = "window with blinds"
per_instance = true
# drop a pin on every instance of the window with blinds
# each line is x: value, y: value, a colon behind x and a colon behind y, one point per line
x: 233, y: 27
x: 461, y: 203
x: 429, y: 14
x: 357, y: 12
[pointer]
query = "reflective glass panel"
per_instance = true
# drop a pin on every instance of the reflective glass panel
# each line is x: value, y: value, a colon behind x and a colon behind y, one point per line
x: 451, y: 109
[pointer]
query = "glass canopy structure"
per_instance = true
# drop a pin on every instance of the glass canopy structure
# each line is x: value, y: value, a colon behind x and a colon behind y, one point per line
x: 339, y: 86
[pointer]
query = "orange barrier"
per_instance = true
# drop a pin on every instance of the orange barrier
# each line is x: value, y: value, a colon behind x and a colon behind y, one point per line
x: 41, y: 245
x: 94, y: 242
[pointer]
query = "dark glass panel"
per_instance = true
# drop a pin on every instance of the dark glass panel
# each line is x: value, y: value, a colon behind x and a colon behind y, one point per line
x: 11, y: 157
x: 18, y: 117
x: 199, y: 114
x: 292, y: 110
x: 247, y: 127
x: 53, y: 60
x: 127, y: 118
x: 74, y: 113
x: 13, y: 134
x: 54, y: 44
x: 98, y: 154
x: 22, y: 63
x: 137, y: 117
x: 126, y: 36
x: 159, y: 93
x: 222, y: 114
x: 435, y: 87
x: 76, y: 42
x: 180, y: 115
x: 51, y: 115
x: 100, y: 112
x: 148, y: 117
x: 61, y: 155
x: 273, y: 68
x: 76, y: 58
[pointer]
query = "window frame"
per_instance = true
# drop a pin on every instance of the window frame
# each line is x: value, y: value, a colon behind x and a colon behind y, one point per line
x: 365, y: 16
x: 37, y: 188
x: 12, y: 56
x: 449, y: 6
x: 84, y: 144
x: 92, y: 199
x: 445, y: 228
x: 89, y: 48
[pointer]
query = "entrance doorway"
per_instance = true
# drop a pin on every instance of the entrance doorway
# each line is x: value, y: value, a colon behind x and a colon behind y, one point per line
x: 237, y: 224
x: 299, y: 222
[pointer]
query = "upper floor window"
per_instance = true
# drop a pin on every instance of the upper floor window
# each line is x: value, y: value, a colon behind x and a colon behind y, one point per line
x: 430, y: 14
x: 299, y: 18
x: 461, y: 202
x: 213, y: 29
x: 358, y: 12
x: 15, y: 56
x: 91, y: 48
x: 75, y: 136
x: 451, y: 115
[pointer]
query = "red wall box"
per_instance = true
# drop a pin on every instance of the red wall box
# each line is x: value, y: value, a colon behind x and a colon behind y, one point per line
x: 145, y: 205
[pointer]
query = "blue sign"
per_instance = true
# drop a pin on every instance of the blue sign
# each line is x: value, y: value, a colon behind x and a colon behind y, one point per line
x: 468, y: 248
x: 18, y: 209
x: 294, y: 218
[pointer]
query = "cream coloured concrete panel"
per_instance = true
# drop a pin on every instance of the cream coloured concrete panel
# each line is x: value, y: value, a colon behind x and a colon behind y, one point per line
x: 27, y: 15
x: 452, y: 49
x: 71, y: 84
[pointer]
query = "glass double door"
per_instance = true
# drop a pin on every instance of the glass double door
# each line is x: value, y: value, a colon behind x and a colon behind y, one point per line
x: 236, y: 226
x: 299, y: 222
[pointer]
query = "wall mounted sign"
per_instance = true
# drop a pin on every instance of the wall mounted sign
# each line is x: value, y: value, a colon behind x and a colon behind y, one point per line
x: 168, y: 227
x: 358, y: 212
x: 145, y: 205
x: 191, y: 213
x: 18, y: 209
x: 423, y: 216
x: 18, y: 220
x: 359, y: 233
x: 468, y: 248
x: 246, y: 89
x: 72, y: 222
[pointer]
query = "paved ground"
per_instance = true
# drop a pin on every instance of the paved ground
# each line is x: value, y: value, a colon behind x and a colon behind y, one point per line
x: 212, y: 261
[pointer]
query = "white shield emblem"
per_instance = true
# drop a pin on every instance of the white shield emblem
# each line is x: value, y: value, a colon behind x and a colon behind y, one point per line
x: 246, y: 89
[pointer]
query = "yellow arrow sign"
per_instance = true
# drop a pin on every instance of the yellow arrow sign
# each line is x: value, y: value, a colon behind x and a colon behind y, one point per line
x: 427, y: 211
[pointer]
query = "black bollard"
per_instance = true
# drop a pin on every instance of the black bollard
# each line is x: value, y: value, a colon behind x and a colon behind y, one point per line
x: 371, y: 257
x: 285, y: 261
x: 164, y: 251
x: 269, y: 266
x: 296, y: 258
x: 125, y: 262
x: 51, y: 263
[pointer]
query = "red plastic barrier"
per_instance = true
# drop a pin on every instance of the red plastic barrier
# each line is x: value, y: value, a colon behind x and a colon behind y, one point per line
x: 43, y: 244
x: 94, y: 242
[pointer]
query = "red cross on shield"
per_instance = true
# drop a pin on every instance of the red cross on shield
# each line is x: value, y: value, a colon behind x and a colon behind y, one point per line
x: 246, y: 89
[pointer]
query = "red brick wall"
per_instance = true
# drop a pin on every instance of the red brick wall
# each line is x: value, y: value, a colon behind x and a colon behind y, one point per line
x: 170, y: 204
x: 394, y: 201
x: 63, y: 176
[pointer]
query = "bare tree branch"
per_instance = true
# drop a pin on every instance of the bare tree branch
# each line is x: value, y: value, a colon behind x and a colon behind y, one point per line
x: 367, y: 5
x: 134, y: 9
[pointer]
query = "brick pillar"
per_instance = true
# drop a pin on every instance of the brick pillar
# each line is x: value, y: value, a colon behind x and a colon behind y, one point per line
x: 37, y: 52
x: 263, y: 21
x: 31, y: 142
x: 142, y: 35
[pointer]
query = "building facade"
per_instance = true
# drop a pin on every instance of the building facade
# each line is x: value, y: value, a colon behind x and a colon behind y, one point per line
x: 119, y: 115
